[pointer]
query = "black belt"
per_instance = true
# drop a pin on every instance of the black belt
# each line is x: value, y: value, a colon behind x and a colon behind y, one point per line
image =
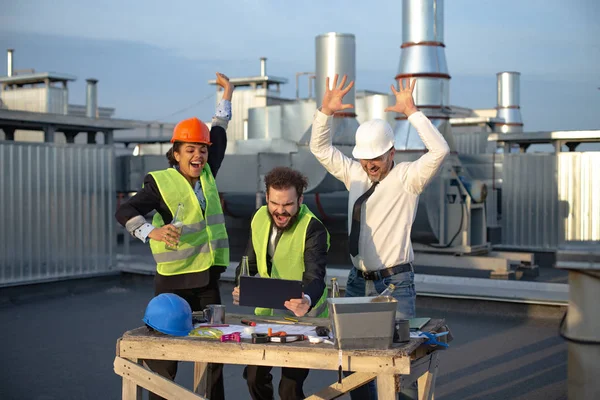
x: 384, y: 273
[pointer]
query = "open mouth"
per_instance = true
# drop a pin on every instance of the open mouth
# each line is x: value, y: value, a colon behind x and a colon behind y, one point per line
x: 282, y: 218
x: 196, y: 166
x: 373, y: 170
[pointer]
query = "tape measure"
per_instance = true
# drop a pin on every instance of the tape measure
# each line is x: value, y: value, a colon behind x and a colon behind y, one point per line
x: 260, y: 338
x: 287, y: 338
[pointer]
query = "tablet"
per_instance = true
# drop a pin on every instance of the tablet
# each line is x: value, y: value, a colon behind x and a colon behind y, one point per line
x: 268, y: 292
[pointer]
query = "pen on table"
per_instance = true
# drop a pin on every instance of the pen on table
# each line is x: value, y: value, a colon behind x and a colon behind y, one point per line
x: 291, y: 319
x: 249, y: 323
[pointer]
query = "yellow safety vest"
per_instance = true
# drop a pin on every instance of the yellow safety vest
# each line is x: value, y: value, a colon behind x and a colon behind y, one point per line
x: 288, y: 260
x: 203, y: 242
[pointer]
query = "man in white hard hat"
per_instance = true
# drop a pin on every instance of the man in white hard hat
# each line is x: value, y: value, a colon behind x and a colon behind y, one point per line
x: 383, y: 195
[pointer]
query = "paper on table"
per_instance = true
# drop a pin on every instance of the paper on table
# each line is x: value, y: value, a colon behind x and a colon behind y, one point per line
x: 288, y: 329
x: 262, y: 328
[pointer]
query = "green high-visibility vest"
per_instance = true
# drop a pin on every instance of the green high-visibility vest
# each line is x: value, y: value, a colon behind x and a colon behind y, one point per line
x: 288, y: 260
x: 203, y: 242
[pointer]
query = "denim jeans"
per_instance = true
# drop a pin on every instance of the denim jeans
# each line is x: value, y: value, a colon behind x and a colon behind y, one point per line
x: 405, y: 293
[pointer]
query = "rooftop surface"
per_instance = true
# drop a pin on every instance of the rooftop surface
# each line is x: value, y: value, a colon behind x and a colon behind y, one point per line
x: 59, y: 343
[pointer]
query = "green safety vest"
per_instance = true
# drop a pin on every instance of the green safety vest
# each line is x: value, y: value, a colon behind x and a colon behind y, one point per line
x: 203, y: 242
x: 288, y: 260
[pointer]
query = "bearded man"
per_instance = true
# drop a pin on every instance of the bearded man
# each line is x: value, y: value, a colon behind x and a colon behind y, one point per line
x: 287, y: 241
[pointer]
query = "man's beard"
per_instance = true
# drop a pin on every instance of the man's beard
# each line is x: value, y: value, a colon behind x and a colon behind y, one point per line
x: 290, y: 223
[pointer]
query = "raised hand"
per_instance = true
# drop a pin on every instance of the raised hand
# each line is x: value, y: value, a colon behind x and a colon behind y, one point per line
x: 332, y: 100
x: 223, y: 81
x: 404, y: 98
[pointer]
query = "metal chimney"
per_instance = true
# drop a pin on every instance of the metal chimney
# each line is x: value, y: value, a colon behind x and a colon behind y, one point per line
x: 91, y: 103
x: 9, y: 60
x: 423, y: 57
x: 509, y: 100
x: 263, y: 66
x: 336, y: 54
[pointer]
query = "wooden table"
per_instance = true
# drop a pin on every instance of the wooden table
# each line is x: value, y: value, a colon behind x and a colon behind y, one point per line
x: 393, y: 368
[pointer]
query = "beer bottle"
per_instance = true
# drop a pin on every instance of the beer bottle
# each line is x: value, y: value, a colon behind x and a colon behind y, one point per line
x: 385, y: 296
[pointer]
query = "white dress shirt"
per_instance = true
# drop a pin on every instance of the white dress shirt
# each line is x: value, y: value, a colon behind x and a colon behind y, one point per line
x: 387, y: 216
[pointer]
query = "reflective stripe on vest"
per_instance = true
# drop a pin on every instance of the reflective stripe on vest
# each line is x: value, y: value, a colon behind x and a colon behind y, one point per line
x: 203, y: 242
x: 288, y: 260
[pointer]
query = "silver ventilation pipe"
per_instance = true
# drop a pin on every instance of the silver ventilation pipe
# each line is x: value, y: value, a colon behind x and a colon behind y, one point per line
x: 336, y: 54
x: 9, y: 61
x: 509, y: 102
x: 423, y: 57
x: 91, y: 103
x: 263, y: 66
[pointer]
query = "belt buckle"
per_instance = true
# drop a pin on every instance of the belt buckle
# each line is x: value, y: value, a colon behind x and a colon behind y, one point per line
x: 371, y: 275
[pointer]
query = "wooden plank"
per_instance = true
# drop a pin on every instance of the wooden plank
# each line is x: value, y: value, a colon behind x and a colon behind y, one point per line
x: 130, y: 390
x: 152, y: 381
x: 386, y: 387
x: 349, y: 383
x: 201, y: 378
x: 397, y: 350
x: 427, y: 380
x: 277, y: 355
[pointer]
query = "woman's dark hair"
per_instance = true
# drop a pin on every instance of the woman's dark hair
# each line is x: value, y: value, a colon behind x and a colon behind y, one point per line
x: 170, y: 156
x: 283, y: 178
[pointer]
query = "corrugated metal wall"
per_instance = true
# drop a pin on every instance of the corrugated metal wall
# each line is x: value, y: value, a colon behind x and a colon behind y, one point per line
x: 579, y: 193
x: 549, y: 199
x: 530, y: 201
x: 470, y: 142
x: 57, y: 211
x: 39, y: 99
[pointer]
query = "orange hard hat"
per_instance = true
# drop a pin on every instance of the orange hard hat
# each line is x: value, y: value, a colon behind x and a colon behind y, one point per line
x: 191, y: 130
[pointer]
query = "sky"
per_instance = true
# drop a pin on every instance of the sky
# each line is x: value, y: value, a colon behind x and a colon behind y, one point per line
x: 153, y: 58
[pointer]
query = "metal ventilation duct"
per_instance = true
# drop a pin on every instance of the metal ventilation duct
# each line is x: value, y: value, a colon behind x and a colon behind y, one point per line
x: 263, y: 66
x: 336, y: 54
x: 509, y: 100
x: 91, y: 102
x: 423, y: 57
x: 9, y: 62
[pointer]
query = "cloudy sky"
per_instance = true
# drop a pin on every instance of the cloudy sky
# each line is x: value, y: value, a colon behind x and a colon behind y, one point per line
x: 153, y: 58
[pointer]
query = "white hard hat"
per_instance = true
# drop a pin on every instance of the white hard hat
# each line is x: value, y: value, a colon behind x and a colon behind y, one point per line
x: 373, y: 138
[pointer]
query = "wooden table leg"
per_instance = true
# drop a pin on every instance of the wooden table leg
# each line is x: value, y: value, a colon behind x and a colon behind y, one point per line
x: 427, y: 380
x: 152, y: 381
x: 131, y: 391
x: 386, y: 387
x: 201, y: 378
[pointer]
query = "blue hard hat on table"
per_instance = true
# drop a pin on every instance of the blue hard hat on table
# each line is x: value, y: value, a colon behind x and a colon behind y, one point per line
x: 170, y: 314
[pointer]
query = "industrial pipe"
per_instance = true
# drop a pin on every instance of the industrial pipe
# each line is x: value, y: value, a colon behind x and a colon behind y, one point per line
x: 91, y: 105
x: 263, y: 66
x: 9, y: 60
